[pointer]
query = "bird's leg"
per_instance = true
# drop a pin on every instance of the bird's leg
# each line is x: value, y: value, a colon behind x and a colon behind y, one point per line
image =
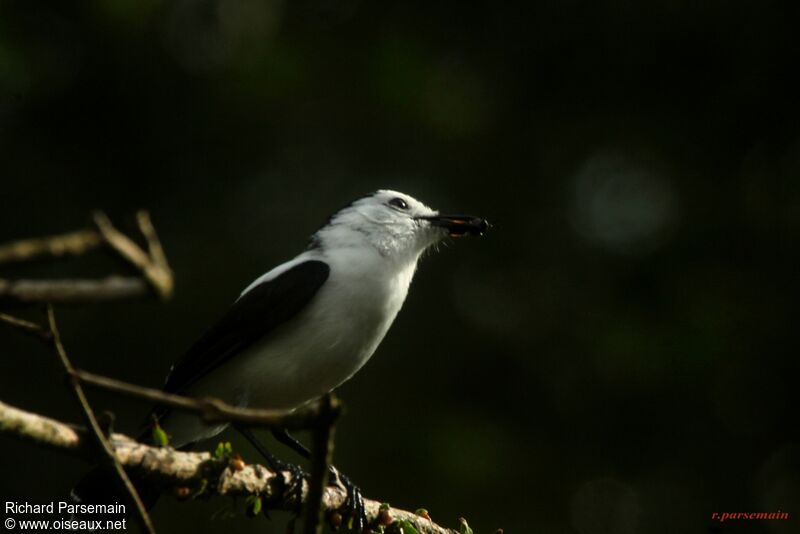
x: 295, y: 488
x: 282, y: 435
x: 354, y: 505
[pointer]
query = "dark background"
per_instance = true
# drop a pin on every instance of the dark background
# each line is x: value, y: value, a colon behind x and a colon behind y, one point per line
x: 618, y: 355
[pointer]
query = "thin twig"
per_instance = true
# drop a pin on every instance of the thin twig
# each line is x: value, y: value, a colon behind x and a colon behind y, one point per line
x: 91, y: 421
x: 152, y: 264
x: 158, y: 271
x: 154, y: 247
x: 74, y: 290
x: 72, y: 243
x: 321, y: 457
x: 212, y: 410
x: 120, y: 242
x: 29, y: 327
x: 209, y: 409
x: 154, y: 269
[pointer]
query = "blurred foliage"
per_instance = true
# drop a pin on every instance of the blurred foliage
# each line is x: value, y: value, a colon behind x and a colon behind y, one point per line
x: 618, y: 355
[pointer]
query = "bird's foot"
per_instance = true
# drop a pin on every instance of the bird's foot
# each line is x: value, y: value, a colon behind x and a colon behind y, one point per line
x: 291, y: 490
x: 353, y: 511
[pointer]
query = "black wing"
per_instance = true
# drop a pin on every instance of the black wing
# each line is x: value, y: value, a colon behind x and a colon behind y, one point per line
x: 255, y: 314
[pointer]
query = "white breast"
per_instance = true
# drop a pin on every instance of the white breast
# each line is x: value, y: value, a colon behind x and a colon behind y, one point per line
x: 319, y: 349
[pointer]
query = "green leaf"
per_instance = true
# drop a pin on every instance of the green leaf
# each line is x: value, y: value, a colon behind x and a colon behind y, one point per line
x: 160, y: 437
x: 405, y: 526
x: 223, y: 448
x: 253, y: 505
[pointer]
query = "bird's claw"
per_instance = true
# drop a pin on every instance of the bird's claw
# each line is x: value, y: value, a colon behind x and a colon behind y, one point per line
x: 293, y: 490
x: 353, y: 510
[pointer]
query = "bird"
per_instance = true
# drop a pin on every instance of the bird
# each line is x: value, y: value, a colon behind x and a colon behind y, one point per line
x: 305, y: 327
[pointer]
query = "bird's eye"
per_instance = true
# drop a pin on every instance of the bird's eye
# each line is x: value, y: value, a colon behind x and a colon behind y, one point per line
x: 398, y: 202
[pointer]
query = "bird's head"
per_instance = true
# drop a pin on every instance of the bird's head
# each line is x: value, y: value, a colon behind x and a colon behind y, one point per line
x: 395, y: 224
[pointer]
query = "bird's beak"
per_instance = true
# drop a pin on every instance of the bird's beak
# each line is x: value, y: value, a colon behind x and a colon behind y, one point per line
x: 458, y: 225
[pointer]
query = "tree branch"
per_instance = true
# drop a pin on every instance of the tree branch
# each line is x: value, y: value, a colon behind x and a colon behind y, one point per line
x: 109, y: 288
x: 91, y: 421
x: 213, y: 410
x: 73, y: 243
x: 173, y: 469
x: 153, y: 266
x: 29, y: 327
x: 155, y: 271
x: 209, y: 409
x: 321, y: 458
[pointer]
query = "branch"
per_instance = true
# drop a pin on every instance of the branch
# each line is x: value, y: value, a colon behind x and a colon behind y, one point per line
x: 110, y: 288
x: 321, y: 458
x: 73, y: 243
x: 155, y: 271
x: 29, y: 327
x: 91, y: 420
x: 213, y: 410
x: 175, y: 469
x: 209, y: 409
x: 153, y: 266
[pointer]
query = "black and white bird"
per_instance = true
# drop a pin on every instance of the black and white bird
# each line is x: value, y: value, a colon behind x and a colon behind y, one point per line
x: 305, y: 327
